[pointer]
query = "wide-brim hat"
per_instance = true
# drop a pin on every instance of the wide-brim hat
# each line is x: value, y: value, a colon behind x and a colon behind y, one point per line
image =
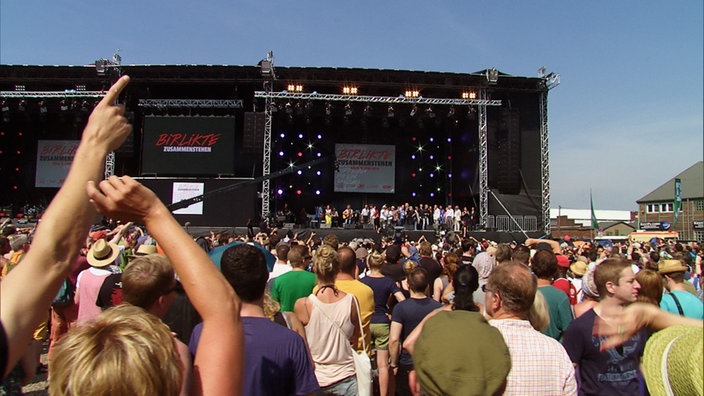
x: 144, y: 250
x: 102, y: 253
x: 673, y: 360
x: 669, y: 266
x: 579, y: 268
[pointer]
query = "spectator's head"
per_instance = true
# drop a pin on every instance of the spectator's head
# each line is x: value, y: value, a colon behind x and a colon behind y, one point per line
x: 521, y: 254
x: 650, y: 287
x: 325, y: 264
x: 418, y: 280
x: 375, y: 261
x: 503, y: 253
x: 282, y: 250
x: 4, y: 245
x: 468, y: 247
x: 393, y: 254
x: 125, y: 351
x: 298, y: 256
x: 148, y: 282
x: 672, y: 270
x: 409, y: 266
x: 244, y: 267
x: 425, y: 249
x: 544, y: 264
x: 348, y: 260
x: 614, y: 278
x: 332, y: 241
x: 465, y: 281
x: 484, y: 263
x: 511, y: 288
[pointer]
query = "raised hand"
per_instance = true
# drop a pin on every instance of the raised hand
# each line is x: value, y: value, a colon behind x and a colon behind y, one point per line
x: 123, y: 198
x: 107, y: 126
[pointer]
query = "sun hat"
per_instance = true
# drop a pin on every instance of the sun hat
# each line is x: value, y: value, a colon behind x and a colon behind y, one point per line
x: 588, y: 285
x: 669, y: 266
x: 673, y: 360
x: 102, y: 253
x: 579, y: 268
x: 17, y: 241
x: 144, y: 250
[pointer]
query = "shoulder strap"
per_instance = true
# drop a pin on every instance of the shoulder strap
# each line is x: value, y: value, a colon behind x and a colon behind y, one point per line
x: 337, y: 326
x: 677, y: 302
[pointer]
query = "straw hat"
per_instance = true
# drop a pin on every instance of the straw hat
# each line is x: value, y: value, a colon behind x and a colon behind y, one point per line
x: 144, y: 250
x: 579, y: 268
x: 102, y: 253
x: 669, y: 266
x: 673, y: 360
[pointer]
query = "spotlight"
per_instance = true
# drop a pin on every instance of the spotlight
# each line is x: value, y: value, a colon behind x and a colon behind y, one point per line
x: 469, y: 95
x: 492, y: 75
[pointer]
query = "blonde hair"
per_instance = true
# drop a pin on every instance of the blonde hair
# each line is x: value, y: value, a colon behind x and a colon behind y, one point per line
x: 147, y: 278
x: 271, y: 306
x: 126, y: 351
x: 325, y: 263
x: 375, y: 260
x: 539, y: 314
x: 409, y: 265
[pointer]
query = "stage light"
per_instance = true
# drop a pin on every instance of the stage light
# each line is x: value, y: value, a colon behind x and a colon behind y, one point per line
x: 299, y: 172
x: 449, y: 140
x: 317, y: 192
x: 320, y: 136
x: 432, y: 194
x: 432, y: 139
x: 282, y: 135
x: 413, y: 174
x: 20, y: 88
x: 349, y: 90
x: 310, y: 146
x: 449, y: 158
x: 420, y: 148
x: 300, y: 136
x: 280, y: 191
x: 412, y: 93
x: 432, y: 174
x: 449, y: 175
x: 299, y: 192
x: 300, y: 154
x: 413, y: 156
x: 318, y: 154
x: 291, y: 164
x: 469, y: 95
x: 438, y: 168
x: 413, y: 194
x: 281, y: 153
x: 492, y: 75
x: 294, y: 87
x: 317, y: 173
x: 80, y: 87
x: 413, y: 139
x: 431, y: 156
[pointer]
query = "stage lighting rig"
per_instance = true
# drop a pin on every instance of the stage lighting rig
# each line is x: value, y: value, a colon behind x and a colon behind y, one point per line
x: 492, y: 75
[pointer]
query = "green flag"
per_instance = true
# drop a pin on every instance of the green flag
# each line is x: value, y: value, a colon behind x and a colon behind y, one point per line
x: 595, y: 222
x: 678, y: 201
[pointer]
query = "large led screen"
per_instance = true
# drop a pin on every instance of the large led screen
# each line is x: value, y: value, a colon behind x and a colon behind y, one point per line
x: 180, y: 146
x: 367, y: 168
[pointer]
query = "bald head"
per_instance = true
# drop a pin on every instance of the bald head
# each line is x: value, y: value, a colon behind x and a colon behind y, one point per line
x: 347, y: 259
x: 516, y: 285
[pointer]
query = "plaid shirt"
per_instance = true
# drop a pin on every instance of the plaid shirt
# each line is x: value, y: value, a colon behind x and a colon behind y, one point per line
x: 539, y: 364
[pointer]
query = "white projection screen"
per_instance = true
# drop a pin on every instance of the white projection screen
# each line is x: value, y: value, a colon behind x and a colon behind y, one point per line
x: 365, y: 168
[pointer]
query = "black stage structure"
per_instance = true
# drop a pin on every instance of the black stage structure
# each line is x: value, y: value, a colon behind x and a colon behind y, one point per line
x: 463, y: 139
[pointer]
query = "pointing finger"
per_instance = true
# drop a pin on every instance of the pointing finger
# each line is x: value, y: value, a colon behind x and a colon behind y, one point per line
x: 115, y: 91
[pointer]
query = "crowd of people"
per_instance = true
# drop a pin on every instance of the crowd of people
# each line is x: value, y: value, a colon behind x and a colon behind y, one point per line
x: 140, y: 307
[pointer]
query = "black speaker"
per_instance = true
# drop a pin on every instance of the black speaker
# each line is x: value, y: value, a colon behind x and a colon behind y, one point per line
x: 508, y: 139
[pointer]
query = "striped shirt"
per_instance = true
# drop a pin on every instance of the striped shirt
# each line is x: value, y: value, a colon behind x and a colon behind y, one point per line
x: 539, y: 364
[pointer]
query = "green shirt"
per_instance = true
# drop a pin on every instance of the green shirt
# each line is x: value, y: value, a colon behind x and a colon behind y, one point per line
x: 291, y: 286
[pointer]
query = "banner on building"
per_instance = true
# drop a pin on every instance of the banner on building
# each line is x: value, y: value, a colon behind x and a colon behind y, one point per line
x: 677, y: 207
x: 365, y: 168
x: 54, y: 158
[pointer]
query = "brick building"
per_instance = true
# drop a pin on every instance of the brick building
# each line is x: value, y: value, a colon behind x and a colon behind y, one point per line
x: 656, y: 209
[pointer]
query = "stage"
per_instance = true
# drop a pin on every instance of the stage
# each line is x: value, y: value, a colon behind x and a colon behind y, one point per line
x: 346, y: 235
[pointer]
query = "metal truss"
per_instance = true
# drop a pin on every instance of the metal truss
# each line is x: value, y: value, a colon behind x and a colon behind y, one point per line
x: 266, y: 157
x: 550, y: 81
x: 52, y: 94
x: 193, y: 103
x: 376, y: 99
x: 483, y: 163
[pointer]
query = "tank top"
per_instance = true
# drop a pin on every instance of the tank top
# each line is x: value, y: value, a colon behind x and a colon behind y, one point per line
x: 331, y: 348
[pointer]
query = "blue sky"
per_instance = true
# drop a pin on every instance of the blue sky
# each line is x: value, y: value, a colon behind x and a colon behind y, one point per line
x: 627, y: 116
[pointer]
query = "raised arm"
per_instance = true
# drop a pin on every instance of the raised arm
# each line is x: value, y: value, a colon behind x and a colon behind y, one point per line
x: 218, y: 365
x: 63, y: 228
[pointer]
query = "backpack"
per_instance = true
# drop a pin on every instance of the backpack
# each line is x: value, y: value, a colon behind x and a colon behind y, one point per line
x: 65, y: 294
